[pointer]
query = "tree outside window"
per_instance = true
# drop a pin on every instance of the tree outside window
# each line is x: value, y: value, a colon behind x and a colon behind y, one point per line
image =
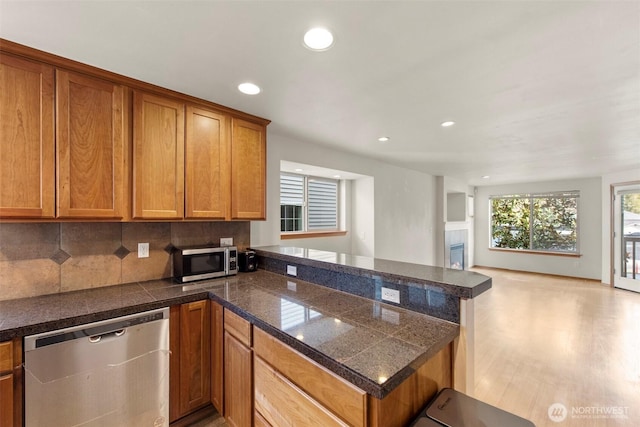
x: 538, y: 222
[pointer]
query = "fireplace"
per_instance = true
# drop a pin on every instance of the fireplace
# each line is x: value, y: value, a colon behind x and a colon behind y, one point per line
x: 456, y: 249
x: 456, y: 256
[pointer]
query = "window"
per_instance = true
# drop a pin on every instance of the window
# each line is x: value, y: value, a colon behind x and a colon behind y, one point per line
x: 537, y: 222
x: 308, y: 203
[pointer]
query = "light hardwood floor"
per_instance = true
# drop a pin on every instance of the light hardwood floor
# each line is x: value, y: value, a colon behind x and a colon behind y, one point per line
x: 542, y: 340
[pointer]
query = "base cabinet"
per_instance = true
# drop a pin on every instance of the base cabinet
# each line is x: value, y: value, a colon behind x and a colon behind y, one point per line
x: 282, y: 403
x: 238, y: 371
x: 11, y: 383
x: 291, y: 389
x: 190, y: 363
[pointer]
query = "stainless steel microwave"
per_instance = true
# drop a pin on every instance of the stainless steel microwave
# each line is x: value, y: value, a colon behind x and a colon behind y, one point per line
x: 204, y: 262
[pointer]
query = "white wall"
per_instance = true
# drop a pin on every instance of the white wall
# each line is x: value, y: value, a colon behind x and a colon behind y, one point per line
x: 362, y: 208
x: 590, y: 224
x: 624, y: 177
x: 403, y: 201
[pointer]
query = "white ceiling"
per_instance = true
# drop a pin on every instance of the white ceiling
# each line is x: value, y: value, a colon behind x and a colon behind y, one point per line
x: 539, y: 90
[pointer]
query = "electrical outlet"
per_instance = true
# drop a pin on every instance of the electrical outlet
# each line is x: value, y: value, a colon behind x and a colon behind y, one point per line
x: 292, y: 270
x: 143, y: 250
x: 391, y: 295
x: 226, y: 241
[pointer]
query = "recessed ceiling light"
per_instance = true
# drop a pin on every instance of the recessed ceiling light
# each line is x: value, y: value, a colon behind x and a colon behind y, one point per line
x: 336, y: 176
x: 299, y: 170
x: 318, y: 39
x: 447, y: 124
x: 249, y: 88
x: 486, y: 177
x: 384, y: 139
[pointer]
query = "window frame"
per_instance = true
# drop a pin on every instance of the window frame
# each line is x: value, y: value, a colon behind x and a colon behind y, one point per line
x: 316, y: 232
x: 531, y: 197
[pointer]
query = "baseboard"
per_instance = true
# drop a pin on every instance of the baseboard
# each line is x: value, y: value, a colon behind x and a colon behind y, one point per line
x: 595, y: 281
x: 194, y: 417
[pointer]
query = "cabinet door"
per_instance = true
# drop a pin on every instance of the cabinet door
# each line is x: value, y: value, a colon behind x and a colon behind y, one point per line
x: 6, y: 400
x: 238, y: 386
x: 248, y: 170
x: 89, y: 137
x: 217, y: 357
x: 207, y: 168
x: 11, y: 383
x: 27, y: 174
x: 282, y: 403
x: 158, y: 157
x: 195, y: 356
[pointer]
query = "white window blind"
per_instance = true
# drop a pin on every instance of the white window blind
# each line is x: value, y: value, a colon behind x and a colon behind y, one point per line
x: 291, y: 190
x: 322, y: 204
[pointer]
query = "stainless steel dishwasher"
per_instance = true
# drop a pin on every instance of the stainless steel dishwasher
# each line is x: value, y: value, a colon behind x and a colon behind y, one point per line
x: 109, y: 373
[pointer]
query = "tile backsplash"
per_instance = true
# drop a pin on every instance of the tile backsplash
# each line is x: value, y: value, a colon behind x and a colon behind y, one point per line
x: 48, y: 258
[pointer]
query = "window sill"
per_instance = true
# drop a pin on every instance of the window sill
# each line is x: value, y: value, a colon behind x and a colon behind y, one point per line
x: 311, y: 234
x: 525, y: 251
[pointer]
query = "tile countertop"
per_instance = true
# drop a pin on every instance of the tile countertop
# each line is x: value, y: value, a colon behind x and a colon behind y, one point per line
x: 461, y: 283
x: 373, y: 345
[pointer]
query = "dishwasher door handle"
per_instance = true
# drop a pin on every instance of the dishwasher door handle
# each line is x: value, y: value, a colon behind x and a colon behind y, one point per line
x: 97, y: 338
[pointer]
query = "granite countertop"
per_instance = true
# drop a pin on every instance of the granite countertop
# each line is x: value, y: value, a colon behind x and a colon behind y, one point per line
x: 373, y: 345
x: 461, y: 283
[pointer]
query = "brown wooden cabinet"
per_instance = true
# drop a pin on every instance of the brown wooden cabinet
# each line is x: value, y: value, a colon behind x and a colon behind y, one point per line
x: 207, y: 166
x: 238, y: 371
x: 27, y: 180
x: 190, y: 364
x: 248, y: 170
x: 217, y: 357
x: 78, y: 142
x: 90, y: 147
x: 320, y: 397
x: 11, y: 383
x: 158, y: 157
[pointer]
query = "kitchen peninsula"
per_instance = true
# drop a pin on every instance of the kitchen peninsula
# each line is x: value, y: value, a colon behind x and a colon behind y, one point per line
x: 324, y: 338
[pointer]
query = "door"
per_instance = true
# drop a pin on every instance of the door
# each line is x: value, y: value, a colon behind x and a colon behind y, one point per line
x: 627, y: 237
x: 195, y: 356
x: 238, y: 387
x: 207, y: 167
x: 90, y: 147
x: 248, y: 170
x: 27, y: 146
x: 158, y: 157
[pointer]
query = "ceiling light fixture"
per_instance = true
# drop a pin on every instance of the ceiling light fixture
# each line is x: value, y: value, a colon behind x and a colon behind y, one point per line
x: 336, y: 176
x: 249, y: 88
x: 384, y: 139
x: 486, y: 177
x: 447, y: 124
x: 299, y: 170
x: 318, y: 39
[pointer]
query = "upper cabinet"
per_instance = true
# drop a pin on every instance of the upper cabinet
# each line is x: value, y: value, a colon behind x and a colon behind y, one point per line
x: 90, y: 147
x: 207, y: 168
x: 27, y: 145
x: 77, y: 142
x: 248, y: 170
x: 158, y: 157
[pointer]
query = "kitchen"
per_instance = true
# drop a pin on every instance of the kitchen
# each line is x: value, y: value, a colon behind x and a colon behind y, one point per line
x: 68, y: 263
x: 41, y: 322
